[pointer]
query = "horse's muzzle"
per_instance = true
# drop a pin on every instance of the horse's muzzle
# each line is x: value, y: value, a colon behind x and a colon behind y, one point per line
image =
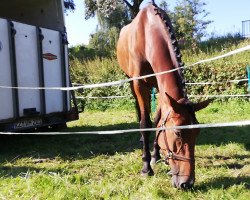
x: 182, y: 182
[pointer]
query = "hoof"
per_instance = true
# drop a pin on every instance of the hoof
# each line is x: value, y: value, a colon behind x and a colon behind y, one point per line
x: 147, y: 173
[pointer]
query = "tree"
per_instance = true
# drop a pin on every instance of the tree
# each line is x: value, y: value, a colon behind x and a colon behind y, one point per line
x: 189, y: 21
x: 118, y: 18
x: 188, y: 18
x: 112, y: 16
x: 106, y: 7
x: 104, y: 42
x: 69, y: 5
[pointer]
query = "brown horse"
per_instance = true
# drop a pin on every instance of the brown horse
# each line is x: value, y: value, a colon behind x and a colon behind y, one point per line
x: 148, y: 45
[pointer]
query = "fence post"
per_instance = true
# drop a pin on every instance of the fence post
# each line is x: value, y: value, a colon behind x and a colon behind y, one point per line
x: 248, y: 76
x: 153, y: 98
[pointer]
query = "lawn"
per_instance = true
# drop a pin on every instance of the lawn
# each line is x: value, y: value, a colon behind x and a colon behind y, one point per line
x: 108, y: 167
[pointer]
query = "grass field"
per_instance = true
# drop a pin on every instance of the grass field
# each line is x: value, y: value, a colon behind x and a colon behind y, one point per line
x: 107, y: 167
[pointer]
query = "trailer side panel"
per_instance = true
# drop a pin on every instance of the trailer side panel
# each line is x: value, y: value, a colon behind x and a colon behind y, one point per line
x: 6, y: 107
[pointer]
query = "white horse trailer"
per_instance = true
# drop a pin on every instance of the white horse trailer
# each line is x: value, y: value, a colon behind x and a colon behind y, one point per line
x: 34, y: 54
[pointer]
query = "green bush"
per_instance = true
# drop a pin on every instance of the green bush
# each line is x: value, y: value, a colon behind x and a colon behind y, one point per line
x: 218, y: 43
x: 82, y: 53
x: 222, y: 70
x: 100, y: 70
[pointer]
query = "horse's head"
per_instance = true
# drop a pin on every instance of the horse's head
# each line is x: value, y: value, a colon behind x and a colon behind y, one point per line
x: 177, y: 145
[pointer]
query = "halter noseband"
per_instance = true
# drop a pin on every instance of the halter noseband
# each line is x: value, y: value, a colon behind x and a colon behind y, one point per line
x: 171, y: 154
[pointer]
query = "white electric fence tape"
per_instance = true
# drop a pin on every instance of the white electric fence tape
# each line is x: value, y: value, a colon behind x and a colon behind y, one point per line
x: 224, y: 55
x: 214, y: 83
x: 108, y: 97
x: 191, y: 95
x: 201, y: 83
x: 112, y: 132
x: 220, y: 95
x: 120, y: 82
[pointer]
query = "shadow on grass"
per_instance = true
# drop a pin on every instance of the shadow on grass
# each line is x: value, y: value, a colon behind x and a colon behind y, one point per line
x: 25, y: 171
x: 219, y: 136
x: 226, y: 162
x: 84, y: 146
x: 216, y: 184
x: 66, y: 147
x: 69, y: 147
x: 223, y: 183
x: 73, y: 147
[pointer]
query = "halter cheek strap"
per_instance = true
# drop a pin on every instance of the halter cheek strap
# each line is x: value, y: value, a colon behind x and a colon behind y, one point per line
x: 171, y: 155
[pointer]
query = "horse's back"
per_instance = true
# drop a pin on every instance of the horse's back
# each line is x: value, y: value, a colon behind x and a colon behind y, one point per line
x: 131, y: 43
x: 136, y: 41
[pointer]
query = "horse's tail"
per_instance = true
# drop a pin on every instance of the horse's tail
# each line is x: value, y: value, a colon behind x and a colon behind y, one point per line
x: 172, y: 44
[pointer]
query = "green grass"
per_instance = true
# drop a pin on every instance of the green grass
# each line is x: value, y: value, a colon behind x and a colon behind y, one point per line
x: 107, y: 167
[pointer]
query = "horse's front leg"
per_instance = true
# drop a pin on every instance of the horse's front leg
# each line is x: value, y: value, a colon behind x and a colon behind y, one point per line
x: 146, y: 156
x: 142, y: 95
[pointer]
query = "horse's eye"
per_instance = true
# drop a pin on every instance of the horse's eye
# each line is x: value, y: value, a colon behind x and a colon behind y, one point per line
x: 177, y: 133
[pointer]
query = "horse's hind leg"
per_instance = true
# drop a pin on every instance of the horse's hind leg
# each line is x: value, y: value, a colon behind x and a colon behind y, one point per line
x: 142, y: 94
x: 138, y: 111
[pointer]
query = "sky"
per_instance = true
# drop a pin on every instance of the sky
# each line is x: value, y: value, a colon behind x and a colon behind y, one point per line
x: 227, y: 17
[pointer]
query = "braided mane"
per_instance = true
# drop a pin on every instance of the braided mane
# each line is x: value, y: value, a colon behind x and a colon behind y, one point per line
x: 173, y: 45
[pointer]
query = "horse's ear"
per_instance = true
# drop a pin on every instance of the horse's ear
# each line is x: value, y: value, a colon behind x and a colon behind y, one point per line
x: 172, y: 102
x: 201, y: 105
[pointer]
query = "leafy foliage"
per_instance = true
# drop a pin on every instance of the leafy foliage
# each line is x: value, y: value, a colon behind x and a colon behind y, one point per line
x: 112, y: 16
x: 188, y: 16
x: 106, y: 7
x: 82, y: 52
x: 69, y: 5
x: 98, y: 71
x: 220, y: 43
x: 230, y: 68
x: 105, y: 41
x: 117, y: 18
x: 102, y: 44
x: 222, y: 70
x: 189, y: 21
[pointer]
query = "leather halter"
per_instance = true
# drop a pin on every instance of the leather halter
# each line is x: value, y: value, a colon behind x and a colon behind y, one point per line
x: 171, y: 155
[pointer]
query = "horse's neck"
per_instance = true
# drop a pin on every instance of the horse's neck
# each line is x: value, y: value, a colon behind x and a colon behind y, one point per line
x: 171, y: 85
x: 163, y: 57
